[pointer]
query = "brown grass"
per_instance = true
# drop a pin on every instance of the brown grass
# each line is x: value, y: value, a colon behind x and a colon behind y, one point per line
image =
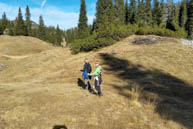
x: 140, y: 85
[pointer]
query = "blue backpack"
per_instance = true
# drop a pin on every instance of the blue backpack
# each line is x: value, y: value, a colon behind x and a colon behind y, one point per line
x: 85, y: 75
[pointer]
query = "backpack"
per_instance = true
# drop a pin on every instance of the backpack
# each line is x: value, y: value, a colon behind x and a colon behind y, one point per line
x: 85, y: 75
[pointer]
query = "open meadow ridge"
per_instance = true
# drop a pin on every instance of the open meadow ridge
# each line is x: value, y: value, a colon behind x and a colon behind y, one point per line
x: 146, y: 86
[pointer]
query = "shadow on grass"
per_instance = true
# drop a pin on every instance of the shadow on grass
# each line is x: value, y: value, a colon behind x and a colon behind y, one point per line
x: 175, y: 96
x: 80, y: 83
x: 60, y: 127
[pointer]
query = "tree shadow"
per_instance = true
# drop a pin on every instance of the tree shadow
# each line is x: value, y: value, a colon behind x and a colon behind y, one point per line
x: 60, y: 127
x: 175, y: 96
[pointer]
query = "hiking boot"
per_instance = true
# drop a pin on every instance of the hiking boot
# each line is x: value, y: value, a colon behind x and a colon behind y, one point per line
x: 100, y: 95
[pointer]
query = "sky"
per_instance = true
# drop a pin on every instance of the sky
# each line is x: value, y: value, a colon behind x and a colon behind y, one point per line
x: 65, y: 13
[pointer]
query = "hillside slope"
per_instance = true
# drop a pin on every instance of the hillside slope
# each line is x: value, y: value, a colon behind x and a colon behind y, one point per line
x: 146, y: 86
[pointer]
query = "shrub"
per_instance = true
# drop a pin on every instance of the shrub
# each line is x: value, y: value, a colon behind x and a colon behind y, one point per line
x: 115, y: 33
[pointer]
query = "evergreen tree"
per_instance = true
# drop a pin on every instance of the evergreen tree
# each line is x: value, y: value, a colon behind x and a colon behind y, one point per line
x: 100, y: 11
x: 41, y: 29
x: 4, y: 22
x: 132, y: 12
x: 51, y: 34
x: 148, y: 12
x: 183, y: 14
x: 119, y: 11
x: 104, y: 15
x: 110, y: 12
x: 162, y: 14
x: 28, y: 21
x: 1, y: 29
x: 10, y: 28
x: 141, y: 13
x: 82, y: 25
x: 20, y: 28
x: 58, y: 36
x: 172, y: 23
x: 156, y: 12
x: 190, y: 19
x: 126, y: 12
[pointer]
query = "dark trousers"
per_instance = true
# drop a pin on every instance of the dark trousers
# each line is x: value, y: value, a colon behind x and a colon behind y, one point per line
x: 97, y: 84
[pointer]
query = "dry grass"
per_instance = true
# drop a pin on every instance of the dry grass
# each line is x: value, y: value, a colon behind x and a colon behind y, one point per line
x: 140, y: 86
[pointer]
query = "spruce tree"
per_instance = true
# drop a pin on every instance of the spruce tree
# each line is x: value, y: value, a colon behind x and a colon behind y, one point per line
x: 82, y: 25
x: 162, y: 14
x: 20, y: 28
x: 141, y: 13
x: 126, y: 12
x: 10, y: 27
x: 1, y: 29
x: 110, y: 12
x: 100, y: 11
x: 148, y: 12
x: 156, y: 12
x: 132, y: 12
x: 58, y: 36
x: 105, y: 17
x: 190, y: 19
x: 41, y: 29
x: 183, y: 14
x: 28, y: 21
x: 172, y: 23
x: 4, y: 22
x: 119, y: 12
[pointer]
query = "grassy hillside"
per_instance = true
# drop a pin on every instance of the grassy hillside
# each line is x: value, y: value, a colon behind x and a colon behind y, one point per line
x: 146, y: 86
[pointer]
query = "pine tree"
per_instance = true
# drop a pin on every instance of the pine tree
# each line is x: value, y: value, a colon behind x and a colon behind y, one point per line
x: 183, y: 14
x: 82, y: 25
x: 20, y: 28
x: 126, y: 12
x: 190, y: 19
x: 58, y: 36
x: 28, y: 21
x: 119, y: 12
x: 41, y: 29
x: 132, y: 12
x: 4, y: 22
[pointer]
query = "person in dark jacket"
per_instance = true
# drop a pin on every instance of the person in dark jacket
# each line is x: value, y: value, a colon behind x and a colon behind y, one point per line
x: 87, y: 69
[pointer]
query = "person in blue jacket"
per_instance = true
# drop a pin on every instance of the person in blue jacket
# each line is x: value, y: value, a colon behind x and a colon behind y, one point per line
x: 87, y: 69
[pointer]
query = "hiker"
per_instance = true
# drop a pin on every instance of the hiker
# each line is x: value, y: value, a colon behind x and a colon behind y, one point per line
x: 97, y: 78
x: 86, y: 70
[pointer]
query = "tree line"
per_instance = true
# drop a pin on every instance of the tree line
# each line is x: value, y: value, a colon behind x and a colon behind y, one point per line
x: 21, y: 27
x: 116, y: 19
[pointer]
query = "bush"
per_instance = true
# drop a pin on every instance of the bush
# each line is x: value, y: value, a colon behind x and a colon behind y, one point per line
x: 115, y: 33
x: 90, y: 43
x: 180, y: 33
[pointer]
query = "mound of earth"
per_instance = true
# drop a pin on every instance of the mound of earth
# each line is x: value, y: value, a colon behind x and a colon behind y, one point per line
x: 21, y: 45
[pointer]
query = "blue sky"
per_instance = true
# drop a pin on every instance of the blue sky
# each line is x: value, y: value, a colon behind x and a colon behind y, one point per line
x: 62, y: 12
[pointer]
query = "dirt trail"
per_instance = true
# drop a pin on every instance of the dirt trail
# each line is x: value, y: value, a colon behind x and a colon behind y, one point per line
x: 13, y: 57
